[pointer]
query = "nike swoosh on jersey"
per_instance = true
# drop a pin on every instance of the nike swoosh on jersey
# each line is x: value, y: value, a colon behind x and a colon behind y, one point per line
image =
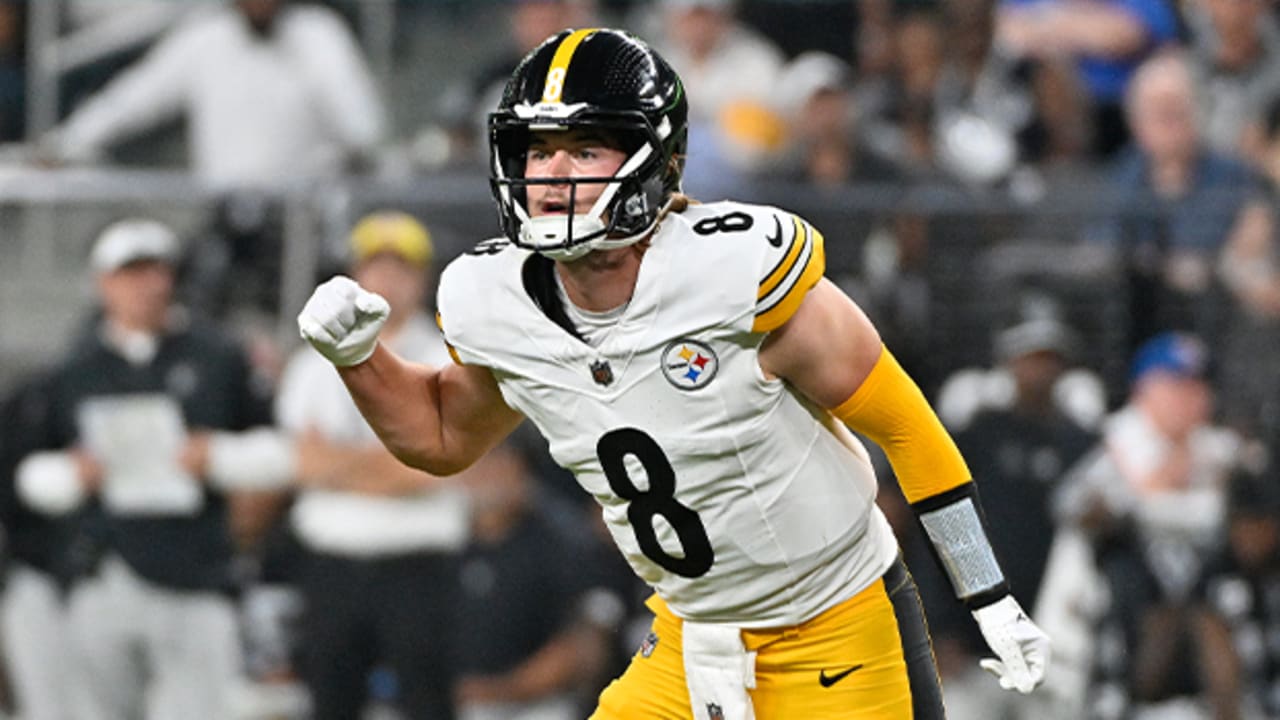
x: 776, y: 238
x: 826, y: 680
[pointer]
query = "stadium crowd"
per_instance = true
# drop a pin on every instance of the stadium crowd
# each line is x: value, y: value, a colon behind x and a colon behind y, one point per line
x: 1064, y: 224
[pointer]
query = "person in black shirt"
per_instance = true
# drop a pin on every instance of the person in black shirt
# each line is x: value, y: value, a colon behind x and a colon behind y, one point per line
x: 147, y: 431
x: 1021, y: 442
x: 1239, y: 604
x: 526, y: 639
x: 38, y: 548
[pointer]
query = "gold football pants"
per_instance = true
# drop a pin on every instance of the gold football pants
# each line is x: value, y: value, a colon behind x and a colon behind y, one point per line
x: 868, y: 658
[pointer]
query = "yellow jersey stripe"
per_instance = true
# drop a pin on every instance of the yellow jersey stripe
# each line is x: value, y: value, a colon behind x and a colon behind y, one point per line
x: 452, y: 353
x: 781, y: 311
x: 554, y: 85
x: 780, y: 270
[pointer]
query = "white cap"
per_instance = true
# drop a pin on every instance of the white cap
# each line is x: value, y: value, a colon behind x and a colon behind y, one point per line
x: 1035, y: 335
x: 132, y: 240
x: 808, y: 73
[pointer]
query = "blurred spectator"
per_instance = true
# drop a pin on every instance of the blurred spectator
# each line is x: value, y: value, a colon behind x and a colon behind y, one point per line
x: 1235, y: 51
x: 823, y: 143
x: 518, y: 568
x: 721, y: 60
x: 936, y: 107
x: 1250, y: 267
x: 381, y: 538
x: 1269, y: 155
x: 798, y: 26
x: 146, y: 415
x: 1150, y: 500
x: 1019, y: 444
x: 1041, y: 104
x: 902, y: 122
x: 13, y: 68
x: 1058, y: 131
x: 613, y: 603
x: 33, y: 622
x: 273, y: 94
x: 731, y: 70
x: 892, y: 283
x: 1240, y: 603
x: 466, y: 106
x: 873, y: 53
x: 236, y: 263
x: 983, y: 96
x: 1187, y: 209
x: 1106, y: 39
x: 1036, y: 368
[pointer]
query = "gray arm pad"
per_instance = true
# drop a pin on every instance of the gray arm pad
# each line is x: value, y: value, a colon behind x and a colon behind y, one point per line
x: 957, y: 535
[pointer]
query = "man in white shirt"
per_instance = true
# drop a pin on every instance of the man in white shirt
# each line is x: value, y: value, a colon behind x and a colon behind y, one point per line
x: 731, y: 73
x: 382, y: 538
x: 271, y: 92
x: 1138, y: 517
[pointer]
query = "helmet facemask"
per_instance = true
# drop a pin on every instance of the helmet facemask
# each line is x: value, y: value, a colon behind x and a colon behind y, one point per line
x: 627, y: 208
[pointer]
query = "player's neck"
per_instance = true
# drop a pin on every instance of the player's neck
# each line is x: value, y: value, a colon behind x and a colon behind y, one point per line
x: 603, y: 279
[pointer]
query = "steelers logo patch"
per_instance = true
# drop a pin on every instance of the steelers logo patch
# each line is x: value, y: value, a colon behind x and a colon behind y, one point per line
x: 689, y: 364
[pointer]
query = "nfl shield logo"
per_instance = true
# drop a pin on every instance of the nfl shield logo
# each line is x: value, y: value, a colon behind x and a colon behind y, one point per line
x: 714, y: 712
x: 601, y: 372
x: 649, y: 645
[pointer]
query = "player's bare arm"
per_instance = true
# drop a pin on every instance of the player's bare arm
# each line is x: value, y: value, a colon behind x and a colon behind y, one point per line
x: 355, y: 467
x: 435, y: 419
x: 826, y: 349
x: 440, y: 420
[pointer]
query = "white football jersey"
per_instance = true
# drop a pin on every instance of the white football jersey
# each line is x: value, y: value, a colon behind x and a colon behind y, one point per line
x: 735, y: 497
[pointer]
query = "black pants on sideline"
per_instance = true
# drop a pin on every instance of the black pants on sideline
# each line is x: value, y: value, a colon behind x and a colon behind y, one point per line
x: 393, y: 612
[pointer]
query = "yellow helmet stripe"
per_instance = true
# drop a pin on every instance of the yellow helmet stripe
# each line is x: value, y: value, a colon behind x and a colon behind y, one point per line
x: 554, y: 86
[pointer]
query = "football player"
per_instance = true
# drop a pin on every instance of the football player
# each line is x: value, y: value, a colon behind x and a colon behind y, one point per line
x: 693, y: 369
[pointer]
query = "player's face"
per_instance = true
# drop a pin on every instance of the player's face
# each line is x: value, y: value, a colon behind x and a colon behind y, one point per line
x: 568, y: 154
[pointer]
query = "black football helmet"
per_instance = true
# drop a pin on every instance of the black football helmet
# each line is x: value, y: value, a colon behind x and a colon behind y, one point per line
x: 605, y: 80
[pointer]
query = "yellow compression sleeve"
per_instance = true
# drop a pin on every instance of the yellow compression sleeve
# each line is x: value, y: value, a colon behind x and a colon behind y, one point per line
x: 890, y: 409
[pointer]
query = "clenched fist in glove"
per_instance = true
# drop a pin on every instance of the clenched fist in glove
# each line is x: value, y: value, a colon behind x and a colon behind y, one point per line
x: 341, y: 320
x: 1021, y: 648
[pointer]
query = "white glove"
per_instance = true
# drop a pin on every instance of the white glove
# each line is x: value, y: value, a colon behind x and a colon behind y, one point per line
x: 341, y: 320
x: 1022, y: 648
